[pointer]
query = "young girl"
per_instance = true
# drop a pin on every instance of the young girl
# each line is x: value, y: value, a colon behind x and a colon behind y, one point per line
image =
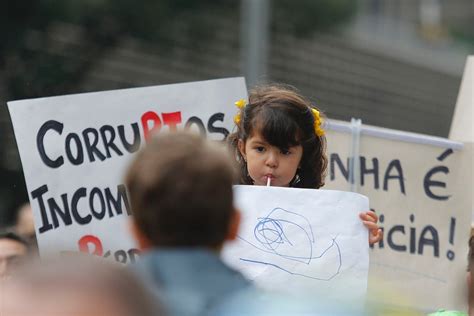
x: 280, y: 141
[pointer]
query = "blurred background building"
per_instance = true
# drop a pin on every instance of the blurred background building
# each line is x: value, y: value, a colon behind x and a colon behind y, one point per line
x: 393, y: 63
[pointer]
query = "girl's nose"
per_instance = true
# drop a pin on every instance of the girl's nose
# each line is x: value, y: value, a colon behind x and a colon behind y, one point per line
x: 272, y: 160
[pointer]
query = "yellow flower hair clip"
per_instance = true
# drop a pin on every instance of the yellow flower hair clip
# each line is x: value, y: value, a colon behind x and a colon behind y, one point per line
x: 240, y: 104
x: 317, y: 123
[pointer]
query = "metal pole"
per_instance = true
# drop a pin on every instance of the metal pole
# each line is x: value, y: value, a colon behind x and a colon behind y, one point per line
x: 254, y: 33
x: 354, y: 166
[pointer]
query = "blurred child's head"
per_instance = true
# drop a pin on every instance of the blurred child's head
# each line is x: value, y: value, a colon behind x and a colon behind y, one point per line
x: 180, y: 189
x: 77, y: 286
x: 276, y: 138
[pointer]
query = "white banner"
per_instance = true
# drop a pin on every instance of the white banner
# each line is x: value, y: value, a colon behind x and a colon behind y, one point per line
x: 75, y: 148
x: 302, y: 242
x: 420, y: 187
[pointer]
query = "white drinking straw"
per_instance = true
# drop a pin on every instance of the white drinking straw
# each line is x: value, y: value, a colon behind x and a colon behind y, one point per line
x: 268, y: 181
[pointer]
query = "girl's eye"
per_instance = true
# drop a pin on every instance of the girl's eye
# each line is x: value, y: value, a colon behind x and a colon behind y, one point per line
x: 285, y: 152
x: 260, y: 149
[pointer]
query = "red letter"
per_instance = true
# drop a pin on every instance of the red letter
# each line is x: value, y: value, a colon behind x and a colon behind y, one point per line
x: 150, y: 116
x: 89, y: 239
x: 172, y: 119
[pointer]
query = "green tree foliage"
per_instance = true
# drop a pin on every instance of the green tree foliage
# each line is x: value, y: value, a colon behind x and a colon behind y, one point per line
x: 30, y: 69
x: 303, y: 17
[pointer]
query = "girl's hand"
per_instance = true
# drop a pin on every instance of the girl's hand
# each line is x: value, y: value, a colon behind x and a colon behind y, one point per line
x: 370, y: 220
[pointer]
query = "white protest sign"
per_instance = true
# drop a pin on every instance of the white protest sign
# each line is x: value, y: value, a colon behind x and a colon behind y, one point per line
x: 463, y: 119
x: 420, y: 188
x: 75, y: 148
x: 302, y: 241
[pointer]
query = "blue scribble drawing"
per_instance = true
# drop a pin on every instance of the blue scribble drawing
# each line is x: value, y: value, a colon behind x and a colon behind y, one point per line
x: 276, y: 234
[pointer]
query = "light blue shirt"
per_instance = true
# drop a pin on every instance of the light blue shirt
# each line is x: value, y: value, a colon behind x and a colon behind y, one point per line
x: 189, y: 281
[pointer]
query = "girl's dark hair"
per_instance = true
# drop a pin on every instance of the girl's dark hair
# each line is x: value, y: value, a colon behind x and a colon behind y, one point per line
x: 284, y: 119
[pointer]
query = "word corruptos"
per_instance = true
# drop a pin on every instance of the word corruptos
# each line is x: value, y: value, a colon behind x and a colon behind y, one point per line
x: 102, y: 143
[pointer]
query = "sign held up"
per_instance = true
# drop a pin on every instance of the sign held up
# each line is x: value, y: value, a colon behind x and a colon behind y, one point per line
x: 75, y: 148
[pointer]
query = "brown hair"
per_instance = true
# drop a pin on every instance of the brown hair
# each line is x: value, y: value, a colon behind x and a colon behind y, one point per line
x: 284, y: 118
x: 180, y: 190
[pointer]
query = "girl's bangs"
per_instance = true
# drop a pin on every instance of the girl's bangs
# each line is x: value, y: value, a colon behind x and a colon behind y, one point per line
x: 278, y: 128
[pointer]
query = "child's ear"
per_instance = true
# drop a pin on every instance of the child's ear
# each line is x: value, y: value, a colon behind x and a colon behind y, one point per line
x: 234, y: 225
x: 141, y: 240
x: 241, y: 146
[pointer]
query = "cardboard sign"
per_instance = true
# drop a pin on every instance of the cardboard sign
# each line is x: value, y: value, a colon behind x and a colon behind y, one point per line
x: 462, y: 125
x: 462, y: 129
x: 75, y: 148
x: 421, y: 193
x: 302, y: 242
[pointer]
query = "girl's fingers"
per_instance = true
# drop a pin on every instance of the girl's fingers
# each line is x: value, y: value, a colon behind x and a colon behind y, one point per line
x: 369, y: 216
x: 370, y: 225
x: 370, y: 219
x: 372, y: 215
x: 375, y: 237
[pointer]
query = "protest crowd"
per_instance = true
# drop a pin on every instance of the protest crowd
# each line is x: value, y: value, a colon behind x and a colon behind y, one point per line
x: 183, y: 216
x: 249, y: 157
